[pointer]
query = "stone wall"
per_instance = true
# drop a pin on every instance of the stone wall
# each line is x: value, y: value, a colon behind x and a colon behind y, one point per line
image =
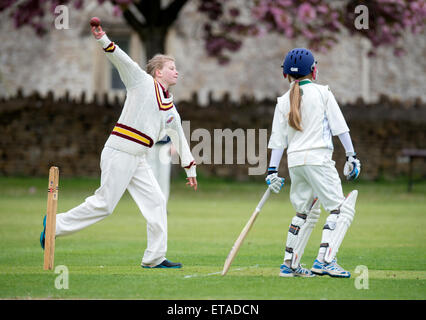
x: 40, y: 131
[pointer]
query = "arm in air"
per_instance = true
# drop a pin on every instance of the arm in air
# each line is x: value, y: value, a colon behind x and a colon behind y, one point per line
x: 130, y: 72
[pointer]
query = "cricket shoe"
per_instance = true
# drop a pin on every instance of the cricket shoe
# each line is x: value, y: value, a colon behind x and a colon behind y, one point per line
x: 287, y: 272
x: 332, y: 269
x: 43, y: 233
x: 166, y: 264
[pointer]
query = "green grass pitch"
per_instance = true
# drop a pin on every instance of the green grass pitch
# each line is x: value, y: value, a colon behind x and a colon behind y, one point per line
x: 103, y: 261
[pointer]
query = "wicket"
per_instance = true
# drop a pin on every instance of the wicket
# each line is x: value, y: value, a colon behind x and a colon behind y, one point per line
x: 52, y: 204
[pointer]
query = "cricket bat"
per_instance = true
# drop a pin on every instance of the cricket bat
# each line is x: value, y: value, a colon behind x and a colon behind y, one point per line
x: 236, y: 247
x: 52, y: 205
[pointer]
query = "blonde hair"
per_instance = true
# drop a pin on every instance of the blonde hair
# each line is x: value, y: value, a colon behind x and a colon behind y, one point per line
x: 157, y: 62
x: 295, y: 116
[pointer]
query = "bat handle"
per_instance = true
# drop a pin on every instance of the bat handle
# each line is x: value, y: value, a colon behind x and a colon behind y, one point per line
x: 263, y: 200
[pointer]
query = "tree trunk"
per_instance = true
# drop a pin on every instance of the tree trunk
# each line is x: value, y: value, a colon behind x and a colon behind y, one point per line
x: 154, y: 40
x: 153, y: 30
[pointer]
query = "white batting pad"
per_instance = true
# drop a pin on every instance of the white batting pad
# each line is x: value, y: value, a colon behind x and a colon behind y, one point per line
x: 347, y: 213
x: 305, y: 233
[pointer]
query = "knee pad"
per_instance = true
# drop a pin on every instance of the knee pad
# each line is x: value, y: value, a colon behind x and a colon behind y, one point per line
x: 293, y: 231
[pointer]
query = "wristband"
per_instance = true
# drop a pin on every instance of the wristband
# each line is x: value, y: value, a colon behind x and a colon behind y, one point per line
x: 272, y: 170
x: 350, y: 154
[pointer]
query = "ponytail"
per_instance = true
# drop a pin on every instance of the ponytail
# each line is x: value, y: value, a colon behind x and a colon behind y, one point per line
x: 295, y: 117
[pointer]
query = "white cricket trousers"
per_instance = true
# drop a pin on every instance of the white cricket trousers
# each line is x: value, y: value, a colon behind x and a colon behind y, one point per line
x: 121, y: 171
x: 310, y: 181
x: 160, y: 161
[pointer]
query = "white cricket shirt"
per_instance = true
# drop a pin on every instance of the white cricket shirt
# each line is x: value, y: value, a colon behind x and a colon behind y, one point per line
x: 321, y: 119
x: 147, y: 115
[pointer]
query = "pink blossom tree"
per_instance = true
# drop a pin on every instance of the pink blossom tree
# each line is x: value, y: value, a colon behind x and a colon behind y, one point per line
x: 152, y: 28
x: 389, y: 20
x: 228, y: 23
x: 317, y: 21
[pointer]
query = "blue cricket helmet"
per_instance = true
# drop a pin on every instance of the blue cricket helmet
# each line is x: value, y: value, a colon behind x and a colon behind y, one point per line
x: 299, y: 62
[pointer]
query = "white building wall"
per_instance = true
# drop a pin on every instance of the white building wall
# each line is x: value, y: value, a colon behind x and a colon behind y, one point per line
x: 68, y: 60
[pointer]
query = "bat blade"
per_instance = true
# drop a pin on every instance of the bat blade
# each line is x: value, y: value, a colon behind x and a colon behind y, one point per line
x: 236, y: 247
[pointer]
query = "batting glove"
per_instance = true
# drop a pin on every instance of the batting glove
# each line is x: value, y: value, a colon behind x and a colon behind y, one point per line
x: 352, y: 167
x: 274, y: 182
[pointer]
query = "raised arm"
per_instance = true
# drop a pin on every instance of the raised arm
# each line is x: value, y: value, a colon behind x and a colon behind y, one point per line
x: 130, y: 72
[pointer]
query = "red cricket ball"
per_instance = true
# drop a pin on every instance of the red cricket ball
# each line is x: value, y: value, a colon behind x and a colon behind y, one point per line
x: 95, y: 22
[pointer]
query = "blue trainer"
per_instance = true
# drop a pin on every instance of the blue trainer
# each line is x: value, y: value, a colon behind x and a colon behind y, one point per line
x: 318, y: 268
x: 332, y: 269
x: 286, y: 271
x: 298, y: 272
x: 166, y: 264
x: 43, y: 233
x: 303, y: 272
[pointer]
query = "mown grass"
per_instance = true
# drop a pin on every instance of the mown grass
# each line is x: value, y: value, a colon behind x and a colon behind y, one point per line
x: 387, y: 236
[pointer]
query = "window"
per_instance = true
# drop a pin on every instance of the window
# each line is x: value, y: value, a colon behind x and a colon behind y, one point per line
x: 106, y: 79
